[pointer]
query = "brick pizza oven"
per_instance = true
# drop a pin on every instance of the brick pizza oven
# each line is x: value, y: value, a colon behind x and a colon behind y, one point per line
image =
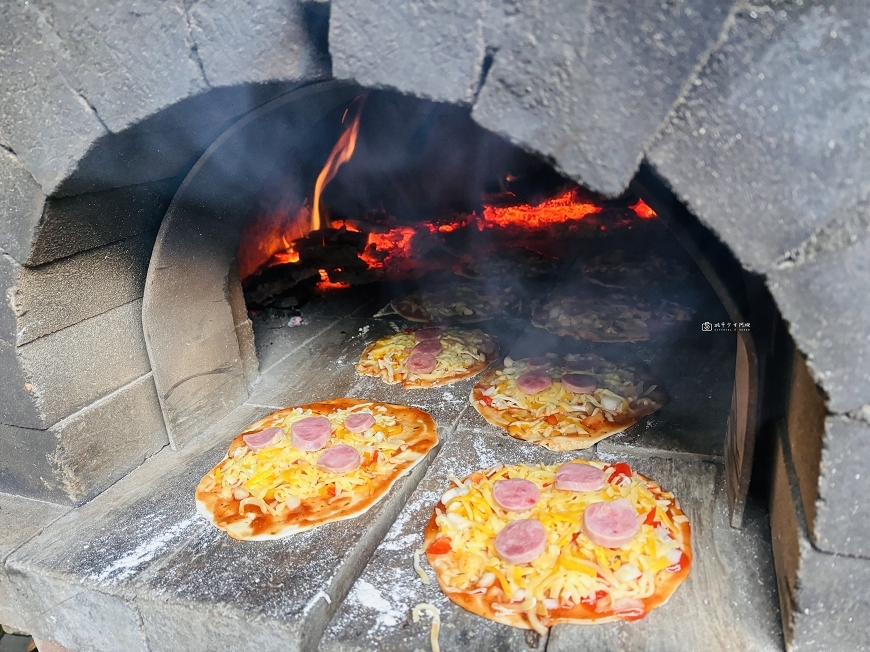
x: 135, y: 139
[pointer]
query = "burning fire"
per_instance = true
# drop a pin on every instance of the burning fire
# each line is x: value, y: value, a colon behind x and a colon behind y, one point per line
x: 557, y: 210
x: 341, y: 153
x: 326, y: 284
x: 395, y: 244
x: 643, y: 211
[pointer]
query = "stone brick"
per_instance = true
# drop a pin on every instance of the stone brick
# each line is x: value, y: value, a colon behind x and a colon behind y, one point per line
x: 130, y: 59
x: 51, y: 297
x: 248, y: 41
x: 17, y: 402
x: 772, y: 141
x: 842, y: 516
x: 824, y: 304
x: 75, y: 366
x: 84, y: 454
x: 45, y: 121
x: 70, y: 225
x: 21, y: 202
x: 20, y: 519
x: 589, y: 87
x: 167, y: 144
x: 431, y: 50
x: 823, y: 597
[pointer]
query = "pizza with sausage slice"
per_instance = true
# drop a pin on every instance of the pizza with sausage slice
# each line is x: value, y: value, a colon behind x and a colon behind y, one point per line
x: 566, y: 402
x: 582, y: 542
x: 428, y: 357
x: 461, y: 303
x: 306, y: 466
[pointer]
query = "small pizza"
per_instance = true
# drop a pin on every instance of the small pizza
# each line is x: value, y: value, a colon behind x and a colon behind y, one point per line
x: 602, y: 316
x: 619, y: 268
x: 582, y: 542
x: 463, y: 303
x: 310, y: 465
x: 566, y: 403
x: 428, y: 357
x: 506, y: 263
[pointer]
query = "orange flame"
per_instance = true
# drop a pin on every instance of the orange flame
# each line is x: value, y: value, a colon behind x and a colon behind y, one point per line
x: 341, y: 153
x: 643, y: 211
x: 326, y: 284
x: 563, y: 208
x: 395, y: 245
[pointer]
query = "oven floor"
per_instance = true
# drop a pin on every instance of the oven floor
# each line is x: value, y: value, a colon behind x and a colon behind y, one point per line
x: 138, y: 569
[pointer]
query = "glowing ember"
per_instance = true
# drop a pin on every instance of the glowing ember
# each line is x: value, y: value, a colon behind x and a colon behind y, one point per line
x: 267, y: 239
x: 340, y: 154
x: 557, y: 210
x: 325, y: 284
x: 643, y: 211
x: 393, y: 245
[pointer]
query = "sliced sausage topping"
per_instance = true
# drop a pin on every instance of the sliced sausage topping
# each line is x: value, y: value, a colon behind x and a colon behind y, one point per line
x: 534, y: 382
x: 429, y: 346
x: 516, y: 494
x: 257, y: 440
x: 579, y: 383
x: 580, y: 477
x: 340, y: 458
x: 521, y: 542
x: 359, y: 422
x: 539, y: 362
x: 612, y: 523
x: 421, y: 363
x: 310, y: 433
x: 428, y: 334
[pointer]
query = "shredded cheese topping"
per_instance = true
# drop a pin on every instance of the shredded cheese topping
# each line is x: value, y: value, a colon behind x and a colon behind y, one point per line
x: 436, y: 622
x: 419, y: 569
x: 571, y: 569
x: 557, y: 410
x: 279, y: 477
x: 462, y: 349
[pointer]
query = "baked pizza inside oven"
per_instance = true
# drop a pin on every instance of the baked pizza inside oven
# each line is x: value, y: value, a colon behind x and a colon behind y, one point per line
x: 428, y: 357
x: 306, y: 466
x: 592, y: 313
x: 462, y: 303
x: 566, y: 402
x: 582, y: 542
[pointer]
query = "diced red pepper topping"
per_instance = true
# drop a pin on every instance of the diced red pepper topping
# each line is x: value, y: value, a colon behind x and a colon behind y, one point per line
x: 440, y: 546
x: 651, y: 518
x: 487, y: 400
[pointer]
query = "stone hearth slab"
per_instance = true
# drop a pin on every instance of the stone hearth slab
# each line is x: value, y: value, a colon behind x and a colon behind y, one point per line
x: 20, y: 519
x: 728, y: 602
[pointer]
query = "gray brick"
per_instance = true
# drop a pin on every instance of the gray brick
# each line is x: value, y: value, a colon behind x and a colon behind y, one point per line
x: 824, y: 303
x: 772, y: 142
x: 823, y: 596
x: 588, y: 87
x: 842, y: 519
x: 84, y: 454
x: 431, y: 50
x: 53, y: 296
x: 249, y: 41
x: 130, y: 59
x: 20, y: 519
x: 21, y: 202
x: 17, y: 401
x: 70, y: 225
x: 73, y: 367
x: 44, y: 120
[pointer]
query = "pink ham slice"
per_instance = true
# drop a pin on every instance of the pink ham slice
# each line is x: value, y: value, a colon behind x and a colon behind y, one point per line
x: 521, y: 542
x: 534, y: 382
x: 421, y: 363
x: 359, y: 422
x: 433, y: 347
x: 580, y: 477
x: 516, y: 494
x: 310, y: 433
x: 579, y: 383
x: 340, y: 458
x: 427, y: 334
x: 540, y: 362
x: 257, y: 440
x: 611, y: 523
